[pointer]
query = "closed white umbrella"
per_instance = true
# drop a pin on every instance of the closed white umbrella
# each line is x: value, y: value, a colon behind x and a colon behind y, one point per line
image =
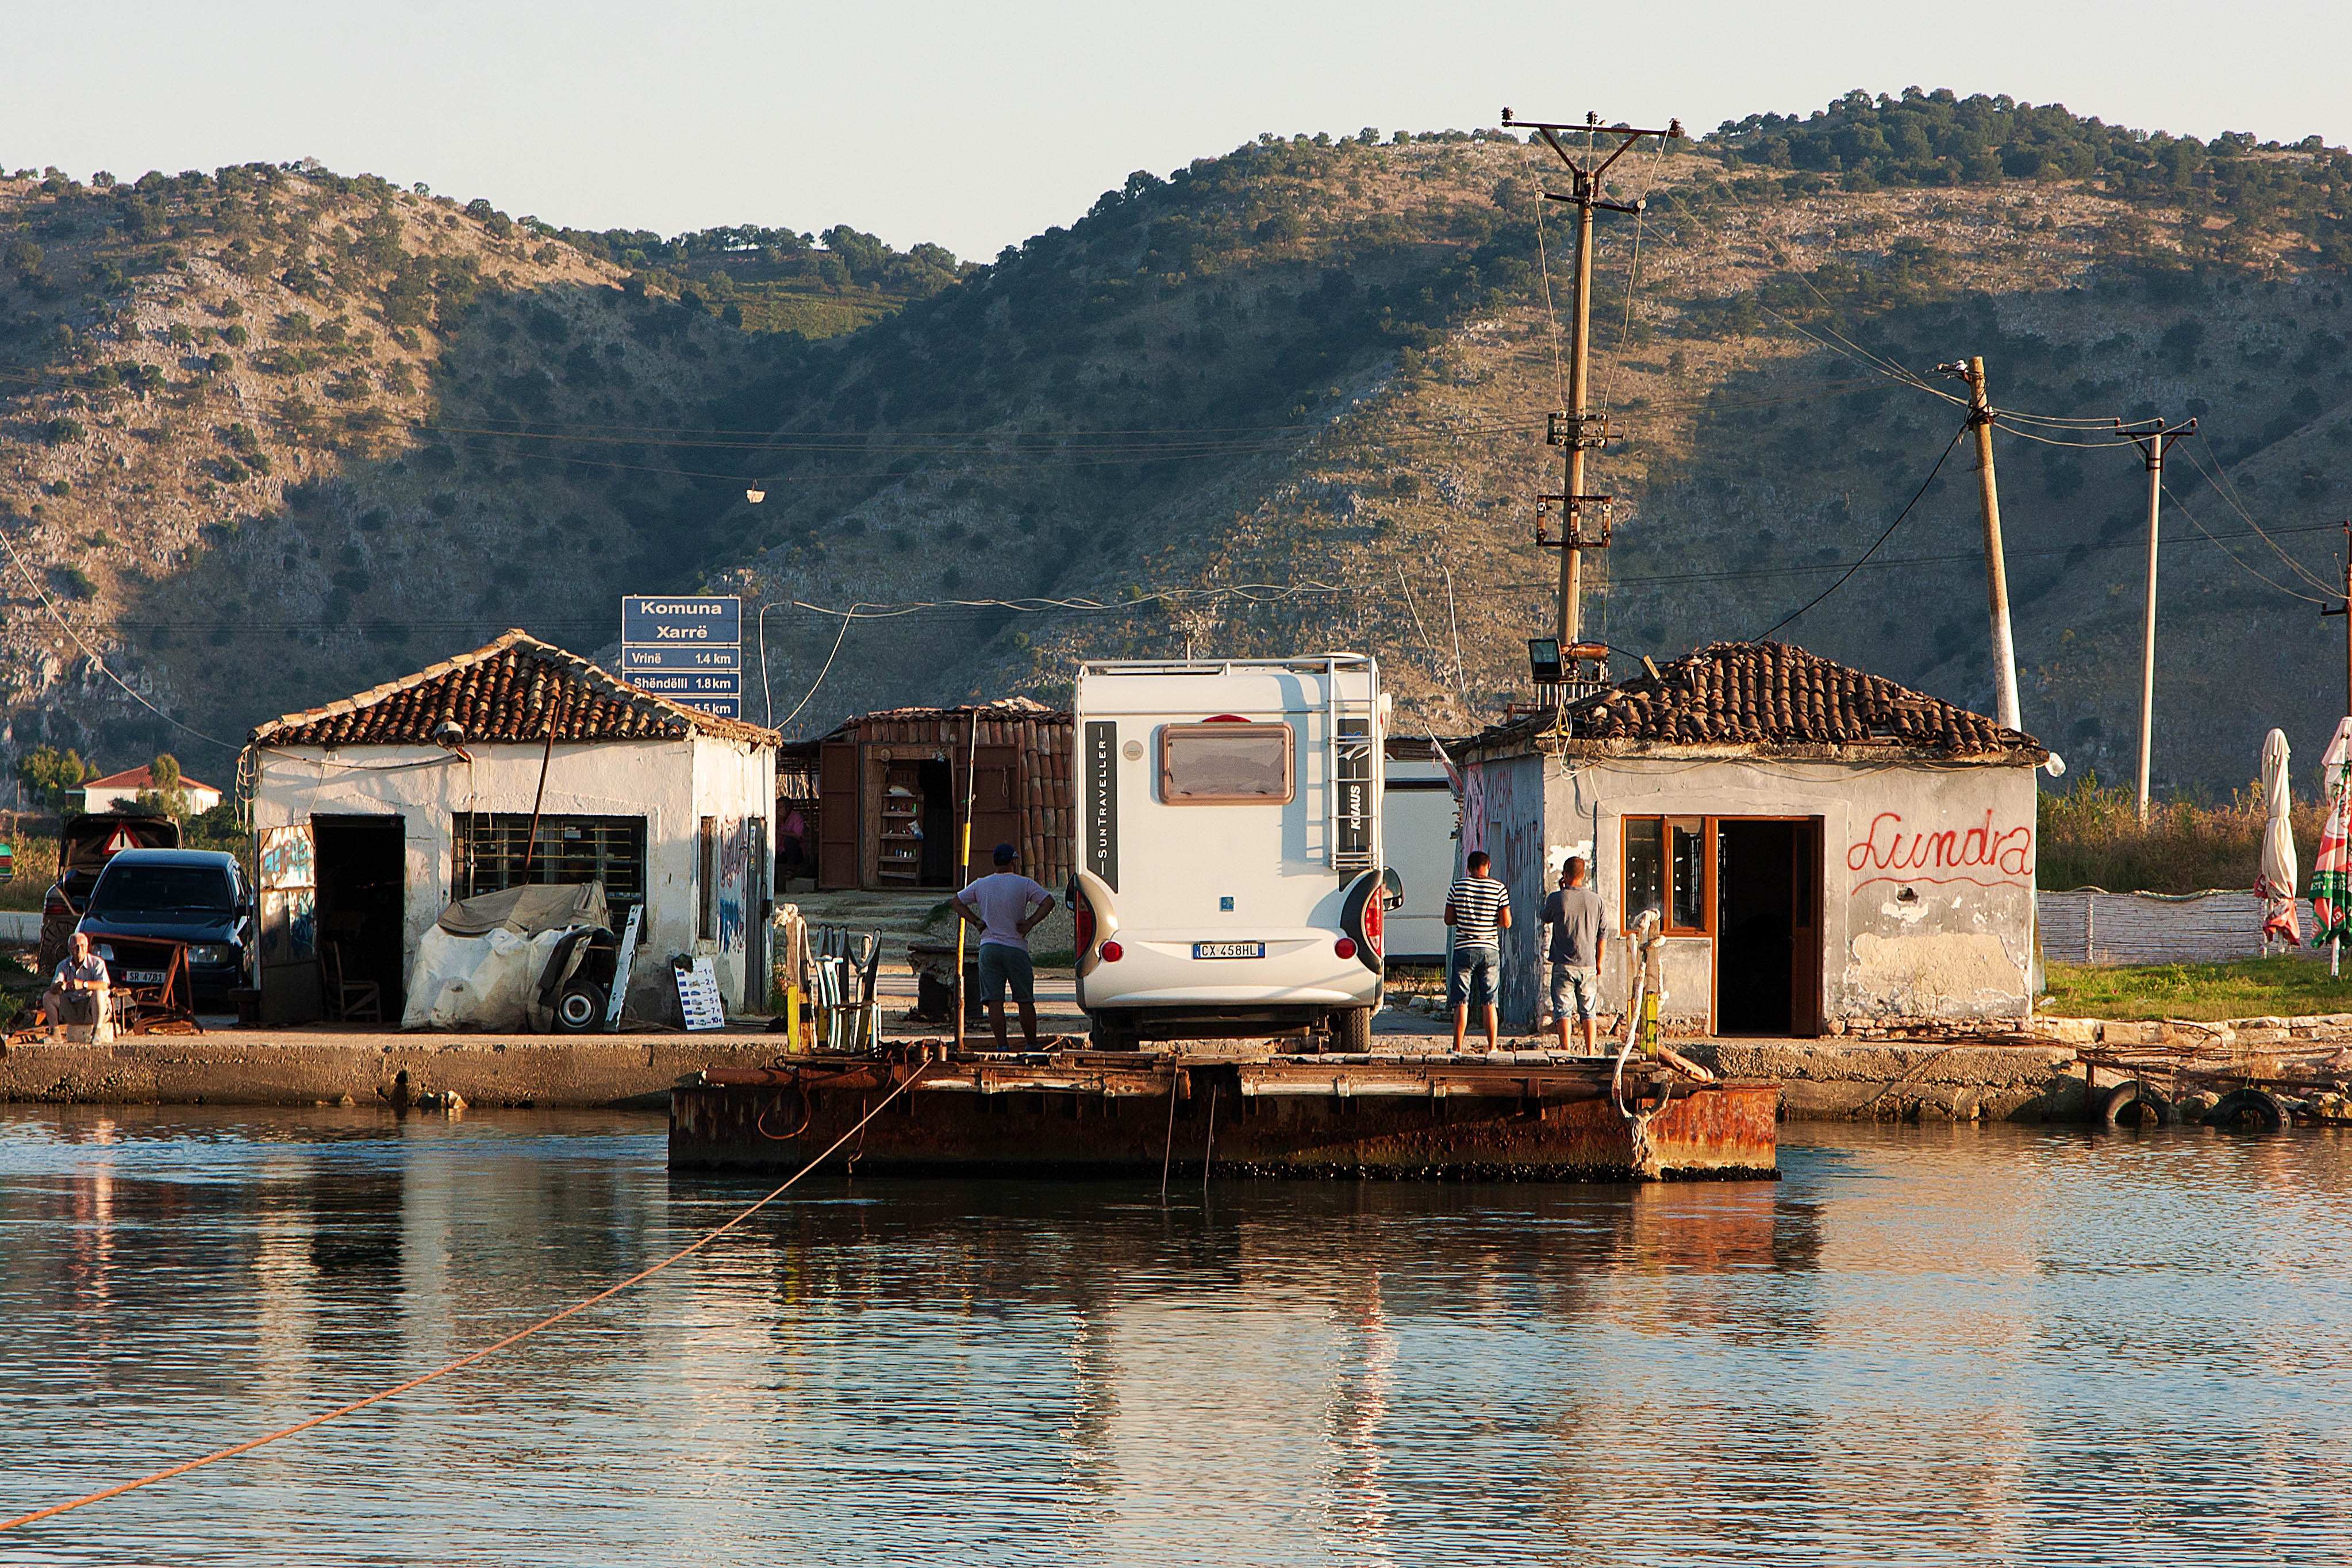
x: 2276, y: 883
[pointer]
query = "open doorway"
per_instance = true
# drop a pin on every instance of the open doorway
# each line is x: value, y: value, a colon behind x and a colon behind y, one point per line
x: 361, y: 871
x: 939, y: 824
x: 1768, y: 948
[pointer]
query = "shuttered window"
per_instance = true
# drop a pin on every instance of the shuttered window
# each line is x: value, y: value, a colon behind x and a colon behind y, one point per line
x: 492, y: 845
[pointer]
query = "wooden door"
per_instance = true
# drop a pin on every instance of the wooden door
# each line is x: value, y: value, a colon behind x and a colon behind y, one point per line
x: 995, y: 806
x: 1805, y: 929
x: 839, y: 813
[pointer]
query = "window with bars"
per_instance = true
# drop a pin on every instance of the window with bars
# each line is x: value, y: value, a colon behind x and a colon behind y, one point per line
x: 492, y: 847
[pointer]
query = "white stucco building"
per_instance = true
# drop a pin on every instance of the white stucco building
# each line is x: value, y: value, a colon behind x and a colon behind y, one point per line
x: 121, y: 792
x: 1825, y: 847
x: 372, y: 814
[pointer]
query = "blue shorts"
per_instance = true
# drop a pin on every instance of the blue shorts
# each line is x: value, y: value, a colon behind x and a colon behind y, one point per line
x: 1575, y: 993
x: 1471, y: 978
x: 1002, y: 965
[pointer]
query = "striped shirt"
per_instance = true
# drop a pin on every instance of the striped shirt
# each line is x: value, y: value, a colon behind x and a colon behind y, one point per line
x: 1476, y: 903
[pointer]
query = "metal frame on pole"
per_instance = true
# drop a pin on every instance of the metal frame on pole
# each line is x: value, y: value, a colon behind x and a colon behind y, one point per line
x: 1577, y: 427
x: 2153, y: 441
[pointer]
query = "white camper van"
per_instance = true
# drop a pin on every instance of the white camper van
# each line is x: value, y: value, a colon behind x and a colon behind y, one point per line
x: 1420, y: 838
x: 1230, y: 878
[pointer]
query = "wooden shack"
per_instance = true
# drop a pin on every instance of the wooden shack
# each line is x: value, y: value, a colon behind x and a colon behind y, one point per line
x: 891, y: 792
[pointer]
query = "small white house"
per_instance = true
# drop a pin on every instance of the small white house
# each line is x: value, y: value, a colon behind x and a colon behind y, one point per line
x: 516, y: 762
x: 121, y: 792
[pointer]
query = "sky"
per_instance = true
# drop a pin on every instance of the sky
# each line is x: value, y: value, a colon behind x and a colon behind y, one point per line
x: 975, y: 126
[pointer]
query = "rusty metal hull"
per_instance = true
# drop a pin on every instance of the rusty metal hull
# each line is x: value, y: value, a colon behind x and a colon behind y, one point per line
x: 1126, y: 1116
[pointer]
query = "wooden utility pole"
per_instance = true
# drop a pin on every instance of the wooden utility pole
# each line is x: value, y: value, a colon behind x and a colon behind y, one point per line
x: 2004, y: 644
x: 2153, y: 440
x: 1584, y: 517
x: 2345, y: 610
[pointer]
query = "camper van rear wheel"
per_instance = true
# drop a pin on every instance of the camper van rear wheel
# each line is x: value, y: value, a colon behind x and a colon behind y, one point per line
x: 1351, y: 1030
x: 580, y: 1009
x: 1103, y: 1035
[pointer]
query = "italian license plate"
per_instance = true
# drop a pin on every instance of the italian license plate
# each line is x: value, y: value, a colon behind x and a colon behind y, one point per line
x: 1229, y: 950
x: 143, y: 976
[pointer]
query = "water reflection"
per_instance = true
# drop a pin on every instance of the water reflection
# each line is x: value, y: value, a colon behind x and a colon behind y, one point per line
x: 1966, y: 1345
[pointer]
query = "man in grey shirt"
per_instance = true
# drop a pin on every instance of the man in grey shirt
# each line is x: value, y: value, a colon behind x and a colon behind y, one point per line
x: 1576, y: 921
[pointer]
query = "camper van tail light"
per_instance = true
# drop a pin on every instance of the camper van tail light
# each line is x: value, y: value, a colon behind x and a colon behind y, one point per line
x: 1112, y: 952
x: 1375, y: 937
x: 1344, y: 948
x: 1084, y: 914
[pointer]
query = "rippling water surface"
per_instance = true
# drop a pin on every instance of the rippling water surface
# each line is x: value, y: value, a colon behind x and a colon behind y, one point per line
x: 1919, y: 1346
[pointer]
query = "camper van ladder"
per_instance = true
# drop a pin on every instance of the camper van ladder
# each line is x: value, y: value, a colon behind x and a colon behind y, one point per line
x: 1350, y: 826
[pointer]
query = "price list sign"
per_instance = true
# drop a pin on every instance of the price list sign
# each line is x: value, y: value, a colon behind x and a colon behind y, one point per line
x: 688, y: 649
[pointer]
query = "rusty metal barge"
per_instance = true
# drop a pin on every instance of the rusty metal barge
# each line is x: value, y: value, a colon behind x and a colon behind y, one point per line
x: 1507, y: 1116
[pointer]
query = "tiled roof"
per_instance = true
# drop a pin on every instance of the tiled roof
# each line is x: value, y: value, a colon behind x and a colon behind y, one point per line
x: 1768, y: 697
x: 512, y: 689
x: 139, y: 777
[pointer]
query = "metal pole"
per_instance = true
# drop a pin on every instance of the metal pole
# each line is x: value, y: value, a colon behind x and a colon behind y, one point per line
x: 2155, y: 451
x: 2004, y: 647
x: 1572, y: 559
x: 963, y: 866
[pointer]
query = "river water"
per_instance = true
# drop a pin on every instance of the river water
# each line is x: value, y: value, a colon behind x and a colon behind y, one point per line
x: 1948, y: 1345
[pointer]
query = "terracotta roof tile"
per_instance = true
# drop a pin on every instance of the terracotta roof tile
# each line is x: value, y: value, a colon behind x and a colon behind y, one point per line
x: 1771, y: 697
x: 512, y: 689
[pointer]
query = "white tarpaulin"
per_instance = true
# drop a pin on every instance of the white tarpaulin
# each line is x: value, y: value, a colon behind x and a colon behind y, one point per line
x: 486, y: 982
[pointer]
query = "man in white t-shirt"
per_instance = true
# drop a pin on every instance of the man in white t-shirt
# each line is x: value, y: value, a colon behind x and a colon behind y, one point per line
x: 1006, y: 907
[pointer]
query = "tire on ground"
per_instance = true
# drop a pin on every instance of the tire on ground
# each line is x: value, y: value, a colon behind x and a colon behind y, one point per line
x: 1103, y: 1035
x: 2248, y: 1110
x: 2121, y: 1106
x: 579, y: 1009
x: 1351, y: 1030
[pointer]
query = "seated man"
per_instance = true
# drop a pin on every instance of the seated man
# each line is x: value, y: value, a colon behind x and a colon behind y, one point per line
x: 78, y: 994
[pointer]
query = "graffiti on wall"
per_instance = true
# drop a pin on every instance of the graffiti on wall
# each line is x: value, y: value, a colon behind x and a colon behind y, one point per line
x: 734, y: 868
x: 1474, y: 809
x: 1987, y: 856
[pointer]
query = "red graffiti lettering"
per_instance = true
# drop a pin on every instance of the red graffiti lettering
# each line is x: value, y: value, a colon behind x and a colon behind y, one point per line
x: 1887, y: 847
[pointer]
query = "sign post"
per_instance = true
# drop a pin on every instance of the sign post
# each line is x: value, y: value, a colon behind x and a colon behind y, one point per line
x: 688, y: 649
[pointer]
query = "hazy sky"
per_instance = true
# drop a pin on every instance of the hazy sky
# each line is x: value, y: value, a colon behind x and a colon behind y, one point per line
x: 975, y: 125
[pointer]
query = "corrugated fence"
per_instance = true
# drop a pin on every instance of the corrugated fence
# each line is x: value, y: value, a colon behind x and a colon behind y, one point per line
x: 2091, y: 925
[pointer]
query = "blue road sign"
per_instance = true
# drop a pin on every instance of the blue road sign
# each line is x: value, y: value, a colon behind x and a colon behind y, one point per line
x: 720, y: 707
x: 677, y: 687
x: 691, y: 656
x: 682, y: 621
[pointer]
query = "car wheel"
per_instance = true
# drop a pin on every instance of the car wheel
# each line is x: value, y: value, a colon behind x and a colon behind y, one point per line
x: 580, y: 1010
x: 1103, y: 1035
x: 1351, y: 1030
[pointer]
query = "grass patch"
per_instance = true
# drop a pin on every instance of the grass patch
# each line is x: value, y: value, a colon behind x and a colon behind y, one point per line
x: 2249, y: 988
x: 37, y: 867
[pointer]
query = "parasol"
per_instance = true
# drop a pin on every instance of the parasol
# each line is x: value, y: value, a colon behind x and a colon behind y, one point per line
x: 2275, y: 883
x: 2331, y: 872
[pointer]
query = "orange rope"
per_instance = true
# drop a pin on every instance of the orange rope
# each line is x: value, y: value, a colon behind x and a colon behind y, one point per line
x: 521, y: 1334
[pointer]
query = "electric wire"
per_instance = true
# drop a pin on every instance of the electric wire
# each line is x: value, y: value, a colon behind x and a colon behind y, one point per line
x: 2218, y: 478
x: 1916, y: 496
x: 2233, y: 555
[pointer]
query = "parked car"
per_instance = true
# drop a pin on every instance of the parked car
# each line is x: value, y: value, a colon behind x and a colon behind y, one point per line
x: 193, y: 896
x: 85, y: 844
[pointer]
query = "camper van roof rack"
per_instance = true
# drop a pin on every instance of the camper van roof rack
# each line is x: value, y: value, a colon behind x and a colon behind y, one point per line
x: 1223, y: 665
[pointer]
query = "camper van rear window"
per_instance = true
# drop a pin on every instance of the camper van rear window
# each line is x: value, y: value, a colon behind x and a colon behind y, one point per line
x: 1221, y: 764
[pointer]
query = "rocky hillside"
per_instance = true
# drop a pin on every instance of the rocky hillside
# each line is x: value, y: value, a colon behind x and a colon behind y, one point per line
x: 274, y: 435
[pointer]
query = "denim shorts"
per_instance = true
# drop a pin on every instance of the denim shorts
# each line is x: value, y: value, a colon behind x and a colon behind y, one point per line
x: 1471, y: 977
x: 1575, y: 993
x: 1000, y: 965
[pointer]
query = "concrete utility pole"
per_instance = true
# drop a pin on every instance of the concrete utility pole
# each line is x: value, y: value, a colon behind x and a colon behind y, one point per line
x: 2345, y: 610
x: 2153, y: 441
x: 1584, y: 517
x: 2004, y: 646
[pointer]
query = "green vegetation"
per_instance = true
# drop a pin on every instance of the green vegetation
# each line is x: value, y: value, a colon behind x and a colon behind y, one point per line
x: 49, y: 775
x: 2250, y: 988
x: 2092, y: 837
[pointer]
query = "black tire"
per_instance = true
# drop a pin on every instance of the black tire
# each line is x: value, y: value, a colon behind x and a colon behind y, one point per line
x: 2248, y: 1110
x: 1103, y: 1035
x: 579, y: 1009
x: 2122, y: 1106
x: 1351, y: 1031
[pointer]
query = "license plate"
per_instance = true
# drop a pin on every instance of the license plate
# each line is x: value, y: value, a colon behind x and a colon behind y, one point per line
x: 143, y: 976
x: 1229, y: 950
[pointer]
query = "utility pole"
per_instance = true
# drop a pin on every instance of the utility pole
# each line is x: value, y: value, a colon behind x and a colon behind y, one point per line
x: 2004, y: 646
x: 2345, y: 610
x: 1584, y: 517
x: 2153, y: 440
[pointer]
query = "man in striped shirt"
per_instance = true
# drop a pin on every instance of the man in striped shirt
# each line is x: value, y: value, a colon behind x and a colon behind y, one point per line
x: 1479, y: 910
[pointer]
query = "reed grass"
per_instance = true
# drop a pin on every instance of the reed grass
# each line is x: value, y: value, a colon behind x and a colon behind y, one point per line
x: 2092, y: 836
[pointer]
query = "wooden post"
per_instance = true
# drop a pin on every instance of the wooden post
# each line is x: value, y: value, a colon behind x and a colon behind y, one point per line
x: 964, y: 866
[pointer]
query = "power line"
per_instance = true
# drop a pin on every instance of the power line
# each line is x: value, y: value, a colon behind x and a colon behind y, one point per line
x: 1882, y: 538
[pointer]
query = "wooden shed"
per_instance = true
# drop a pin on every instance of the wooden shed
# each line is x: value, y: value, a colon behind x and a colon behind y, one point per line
x: 891, y: 789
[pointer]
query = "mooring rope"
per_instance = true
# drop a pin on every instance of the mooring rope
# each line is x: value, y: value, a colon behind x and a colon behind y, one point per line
x: 516, y: 1337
